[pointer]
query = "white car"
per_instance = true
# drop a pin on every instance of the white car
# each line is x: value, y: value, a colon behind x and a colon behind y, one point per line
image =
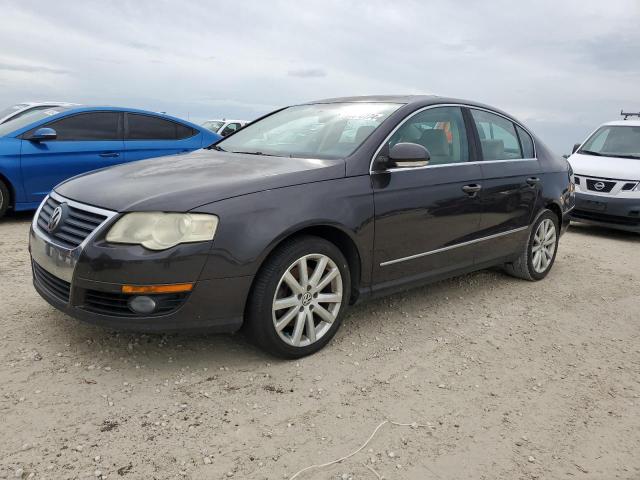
x: 224, y: 127
x: 607, y: 176
x: 19, y: 109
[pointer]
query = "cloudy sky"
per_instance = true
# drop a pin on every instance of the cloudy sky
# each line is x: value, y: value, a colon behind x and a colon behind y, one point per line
x: 562, y: 67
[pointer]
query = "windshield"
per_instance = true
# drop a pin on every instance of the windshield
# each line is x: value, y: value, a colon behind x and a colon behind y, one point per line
x: 12, y: 109
x: 614, y: 141
x: 213, y: 125
x: 331, y: 130
x: 27, y: 118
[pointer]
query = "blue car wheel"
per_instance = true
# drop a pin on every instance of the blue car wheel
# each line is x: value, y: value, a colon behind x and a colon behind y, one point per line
x: 4, y: 198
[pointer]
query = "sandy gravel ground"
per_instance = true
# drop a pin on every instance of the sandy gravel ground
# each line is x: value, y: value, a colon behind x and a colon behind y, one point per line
x: 512, y: 380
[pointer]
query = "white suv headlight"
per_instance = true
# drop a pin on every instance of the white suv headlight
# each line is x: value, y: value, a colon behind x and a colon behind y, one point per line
x: 159, y: 231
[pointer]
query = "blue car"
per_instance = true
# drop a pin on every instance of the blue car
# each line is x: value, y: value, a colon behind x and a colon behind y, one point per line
x: 40, y: 149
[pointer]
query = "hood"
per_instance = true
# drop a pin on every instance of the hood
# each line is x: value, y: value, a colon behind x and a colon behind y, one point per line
x: 184, y: 182
x: 605, y: 167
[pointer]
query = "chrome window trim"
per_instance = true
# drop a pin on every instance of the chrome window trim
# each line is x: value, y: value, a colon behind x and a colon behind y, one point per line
x: 479, y: 162
x: 451, y: 247
x: 460, y: 105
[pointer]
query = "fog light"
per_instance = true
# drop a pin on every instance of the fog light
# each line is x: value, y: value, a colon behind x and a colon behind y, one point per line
x: 142, y: 304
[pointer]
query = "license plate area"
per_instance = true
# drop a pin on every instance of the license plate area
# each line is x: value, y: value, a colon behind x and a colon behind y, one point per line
x: 593, y: 205
x: 56, y: 260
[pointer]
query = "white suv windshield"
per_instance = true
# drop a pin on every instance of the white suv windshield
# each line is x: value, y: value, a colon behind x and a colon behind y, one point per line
x: 614, y: 141
x: 213, y: 125
x: 27, y: 118
x: 12, y: 109
x: 329, y: 130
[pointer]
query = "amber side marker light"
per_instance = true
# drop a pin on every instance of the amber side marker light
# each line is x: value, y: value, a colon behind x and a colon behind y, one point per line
x: 173, y: 288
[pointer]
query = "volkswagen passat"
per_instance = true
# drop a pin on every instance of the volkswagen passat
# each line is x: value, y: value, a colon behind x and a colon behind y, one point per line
x: 282, y: 225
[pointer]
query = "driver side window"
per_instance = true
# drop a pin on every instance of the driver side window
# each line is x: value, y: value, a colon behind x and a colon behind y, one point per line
x: 229, y: 129
x: 440, y: 130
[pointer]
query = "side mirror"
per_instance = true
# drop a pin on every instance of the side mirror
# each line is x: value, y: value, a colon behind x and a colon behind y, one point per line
x: 409, y: 155
x: 575, y: 147
x: 43, y: 134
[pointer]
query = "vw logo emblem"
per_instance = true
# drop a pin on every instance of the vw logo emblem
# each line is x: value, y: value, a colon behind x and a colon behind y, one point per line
x: 599, y: 186
x: 55, y: 219
x: 306, y: 299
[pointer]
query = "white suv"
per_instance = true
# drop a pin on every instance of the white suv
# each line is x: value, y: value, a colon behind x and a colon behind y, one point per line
x: 607, y: 176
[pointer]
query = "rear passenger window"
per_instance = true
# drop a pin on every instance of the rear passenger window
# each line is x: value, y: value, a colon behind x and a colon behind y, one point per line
x: 148, y: 127
x: 498, y: 137
x: 440, y: 130
x: 88, y: 126
x: 526, y: 143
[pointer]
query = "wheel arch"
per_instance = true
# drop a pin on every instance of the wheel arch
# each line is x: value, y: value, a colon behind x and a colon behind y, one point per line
x: 340, y: 237
x: 556, y: 209
x: 10, y: 187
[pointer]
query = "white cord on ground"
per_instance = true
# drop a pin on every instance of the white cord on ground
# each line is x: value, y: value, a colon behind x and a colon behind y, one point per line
x: 342, y: 459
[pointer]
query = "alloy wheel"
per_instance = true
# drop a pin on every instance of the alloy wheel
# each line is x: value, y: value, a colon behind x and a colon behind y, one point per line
x: 544, y: 245
x: 307, y: 300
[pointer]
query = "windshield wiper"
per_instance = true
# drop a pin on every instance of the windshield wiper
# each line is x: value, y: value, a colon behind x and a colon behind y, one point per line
x: 257, y: 153
x: 216, y: 147
x: 590, y: 152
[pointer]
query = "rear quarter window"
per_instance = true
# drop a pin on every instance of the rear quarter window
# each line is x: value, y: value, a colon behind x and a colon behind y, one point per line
x: 527, y: 143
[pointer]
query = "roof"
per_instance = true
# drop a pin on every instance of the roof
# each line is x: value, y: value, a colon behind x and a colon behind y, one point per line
x: 625, y: 123
x: 227, y: 120
x: 412, y: 100
x: 52, y: 103
x: 379, y: 98
x: 415, y: 102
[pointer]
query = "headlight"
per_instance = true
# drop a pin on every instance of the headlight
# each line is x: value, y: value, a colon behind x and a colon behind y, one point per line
x: 159, y: 231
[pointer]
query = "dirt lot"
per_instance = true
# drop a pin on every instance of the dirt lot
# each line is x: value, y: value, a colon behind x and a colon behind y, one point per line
x: 511, y: 380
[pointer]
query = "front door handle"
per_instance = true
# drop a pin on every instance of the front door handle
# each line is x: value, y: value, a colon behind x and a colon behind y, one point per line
x: 472, y: 189
x: 109, y: 154
x: 533, y: 181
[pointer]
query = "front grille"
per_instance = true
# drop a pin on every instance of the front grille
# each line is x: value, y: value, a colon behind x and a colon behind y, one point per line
x: 604, y: 218
x: 608, y: 186
x: 55, y: 286
x: 77, y: 226
x: 116, y: 304
x: 628, y: 186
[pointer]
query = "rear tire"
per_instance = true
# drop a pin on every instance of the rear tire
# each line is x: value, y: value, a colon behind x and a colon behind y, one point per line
x: 539, y: 252
x: 298, y: 298
x: 4, y: 198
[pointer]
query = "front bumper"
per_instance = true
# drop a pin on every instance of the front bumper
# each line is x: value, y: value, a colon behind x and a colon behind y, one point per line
x: 209, y: 307
x: 622, y: 213
x: 85, y: 282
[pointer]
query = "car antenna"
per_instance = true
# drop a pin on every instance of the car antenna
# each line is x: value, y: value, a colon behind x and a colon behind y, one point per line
x: 626, y: 115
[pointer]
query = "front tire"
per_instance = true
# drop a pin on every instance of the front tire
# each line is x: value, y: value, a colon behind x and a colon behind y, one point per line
x: 299, y: 297
x: 539, y: 253
x: 4, y: 198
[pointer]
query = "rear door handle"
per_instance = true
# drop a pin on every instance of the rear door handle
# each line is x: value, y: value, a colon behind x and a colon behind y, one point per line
x: 472, y: 189
x: 109, y: 154
x: 533, y: 181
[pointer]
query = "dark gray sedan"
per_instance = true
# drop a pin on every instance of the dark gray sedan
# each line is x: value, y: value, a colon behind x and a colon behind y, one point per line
x: 282, y: 225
